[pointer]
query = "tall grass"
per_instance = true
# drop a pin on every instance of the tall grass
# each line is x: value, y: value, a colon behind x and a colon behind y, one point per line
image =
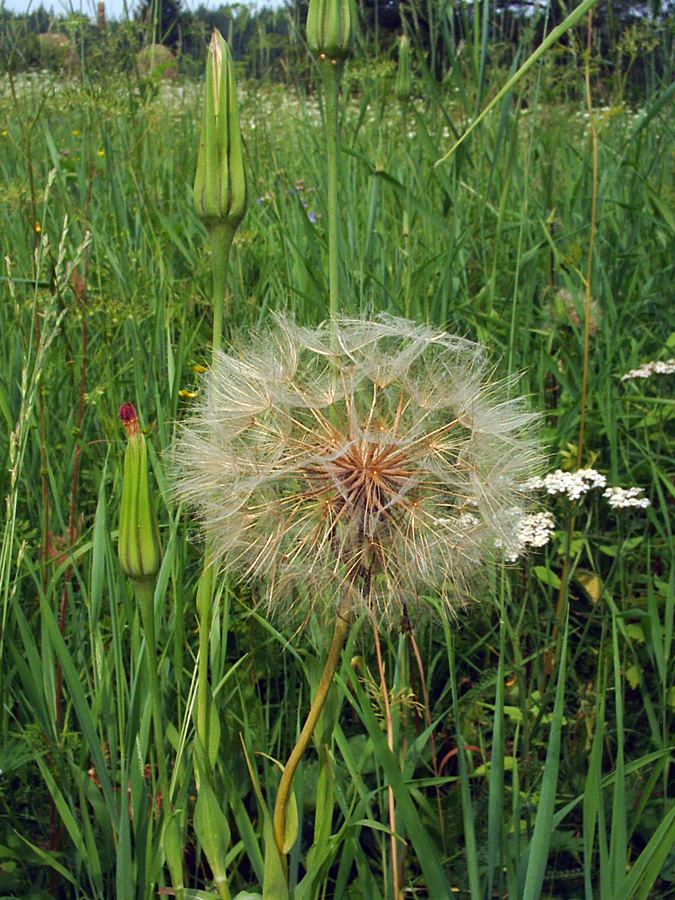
x: 533, y: 736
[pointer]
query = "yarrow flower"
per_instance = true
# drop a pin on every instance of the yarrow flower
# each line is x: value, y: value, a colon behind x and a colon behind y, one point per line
x: 574, y: 484
x: 622, y: 498
x: 355, y: 464
x: 531, y: 531
x: 656, y: 367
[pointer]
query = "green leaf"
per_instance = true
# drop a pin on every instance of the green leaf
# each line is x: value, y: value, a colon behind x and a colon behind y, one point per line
x: 546, y: 576
x: 437, y: 883
x: 552, y: 38
x: 274, y: 880
x: 536, y: 853
x: 213, y: 832
x: 79, y: 701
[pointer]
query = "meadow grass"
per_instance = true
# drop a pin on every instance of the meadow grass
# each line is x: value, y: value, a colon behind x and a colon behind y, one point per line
x: 534, y: 733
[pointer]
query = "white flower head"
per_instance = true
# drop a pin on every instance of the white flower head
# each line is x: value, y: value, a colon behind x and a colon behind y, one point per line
x: 531, y: 532
x: 623, y: 498
x: 356, y: 464
x: 573, y: 484
x: 656, y: 367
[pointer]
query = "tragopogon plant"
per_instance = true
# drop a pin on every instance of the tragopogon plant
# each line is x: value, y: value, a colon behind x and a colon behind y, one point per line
x: 352, y: 465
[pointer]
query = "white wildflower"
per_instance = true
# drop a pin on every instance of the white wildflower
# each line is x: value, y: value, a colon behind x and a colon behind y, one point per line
x: 535, y: 530
x: 532, y: 531
x: 356, y: 464
x: 622, y: 498
x: 656, y: 367
x: 573, y: 484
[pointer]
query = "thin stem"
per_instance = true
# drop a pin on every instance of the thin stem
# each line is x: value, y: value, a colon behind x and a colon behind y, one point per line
x: 432, y: 740
x: 220, y: 238
x: 145, y: 594
x: 204, y: 598
x: 339, y: 637
x: 331, y: 70
x: 390, y: 743
x: 591, y: 240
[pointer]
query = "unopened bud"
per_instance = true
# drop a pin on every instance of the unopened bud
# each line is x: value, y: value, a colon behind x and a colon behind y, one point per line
x: 220, y: 182
x: 330, y: 28
x: 403, y: 84
x: 138, y: 545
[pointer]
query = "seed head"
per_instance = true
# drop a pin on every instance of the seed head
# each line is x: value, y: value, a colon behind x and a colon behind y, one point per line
x: 357, y: 464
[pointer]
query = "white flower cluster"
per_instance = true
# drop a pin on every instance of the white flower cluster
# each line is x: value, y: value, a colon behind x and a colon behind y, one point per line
x: 536, y: 529
x: 656, y: 367
x: 622, y: 498
x: 574, y: 484
x: 532, y: 531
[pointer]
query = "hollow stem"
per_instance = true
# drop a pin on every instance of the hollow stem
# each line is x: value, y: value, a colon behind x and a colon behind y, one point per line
x: 339, y: 636
x: 204, y: 601
x: 331, y: 71
x: 220, y: 238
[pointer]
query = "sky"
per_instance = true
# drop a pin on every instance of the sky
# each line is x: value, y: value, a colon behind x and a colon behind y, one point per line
x: 114, y: 8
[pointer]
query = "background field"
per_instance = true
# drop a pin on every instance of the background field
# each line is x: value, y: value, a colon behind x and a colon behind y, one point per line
x: 105, y: 298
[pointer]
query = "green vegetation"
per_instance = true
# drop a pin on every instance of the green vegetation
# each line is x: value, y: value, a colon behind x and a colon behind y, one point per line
x: 532, y: 736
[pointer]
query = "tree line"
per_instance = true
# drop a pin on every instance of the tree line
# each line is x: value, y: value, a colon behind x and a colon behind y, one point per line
x: 268, y: 42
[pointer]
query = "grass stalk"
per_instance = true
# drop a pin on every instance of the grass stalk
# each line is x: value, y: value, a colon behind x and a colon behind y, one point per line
x: 591, y: 239
x: 391, y: 802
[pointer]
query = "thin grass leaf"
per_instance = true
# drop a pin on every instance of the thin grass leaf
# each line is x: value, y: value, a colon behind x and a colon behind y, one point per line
x: 427, y: 854
x: 535, y: 858
x: 552, y: 38
x: 81, y: 707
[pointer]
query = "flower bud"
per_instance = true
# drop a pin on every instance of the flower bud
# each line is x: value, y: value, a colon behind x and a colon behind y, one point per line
x: 330, y: 28
x: 220, y: 182
x: 138, y: 545
x: 403, y: 84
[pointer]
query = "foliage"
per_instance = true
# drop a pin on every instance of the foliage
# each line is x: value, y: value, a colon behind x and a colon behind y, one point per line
x: 533, y: 735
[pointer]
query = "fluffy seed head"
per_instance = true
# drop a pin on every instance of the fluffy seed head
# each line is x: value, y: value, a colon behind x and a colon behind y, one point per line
x: 357, y: 464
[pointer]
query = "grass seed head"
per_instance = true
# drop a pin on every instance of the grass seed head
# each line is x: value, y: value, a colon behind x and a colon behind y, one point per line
x: 357, y: 464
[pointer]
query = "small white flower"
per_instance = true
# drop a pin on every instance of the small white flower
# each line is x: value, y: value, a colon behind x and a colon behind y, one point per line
x: 656, y: 367
x: 622, y: 498
x: 532, y: 531
x: 573, y: 484
x: 536, y: 529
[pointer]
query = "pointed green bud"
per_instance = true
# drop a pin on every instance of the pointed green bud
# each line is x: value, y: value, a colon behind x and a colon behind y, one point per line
x: 220, y: 182
x: 403, y: 84
x: 138, y: 545
x: 330, y: 28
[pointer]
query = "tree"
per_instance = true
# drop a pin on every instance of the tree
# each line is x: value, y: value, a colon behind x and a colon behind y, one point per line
x: 163, y: 21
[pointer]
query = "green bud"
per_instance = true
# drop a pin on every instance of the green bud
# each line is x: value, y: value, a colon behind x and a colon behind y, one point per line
x: 138, y: 545
x: 330, y: 28
x: 220, y: 182
x: 403, y: 84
